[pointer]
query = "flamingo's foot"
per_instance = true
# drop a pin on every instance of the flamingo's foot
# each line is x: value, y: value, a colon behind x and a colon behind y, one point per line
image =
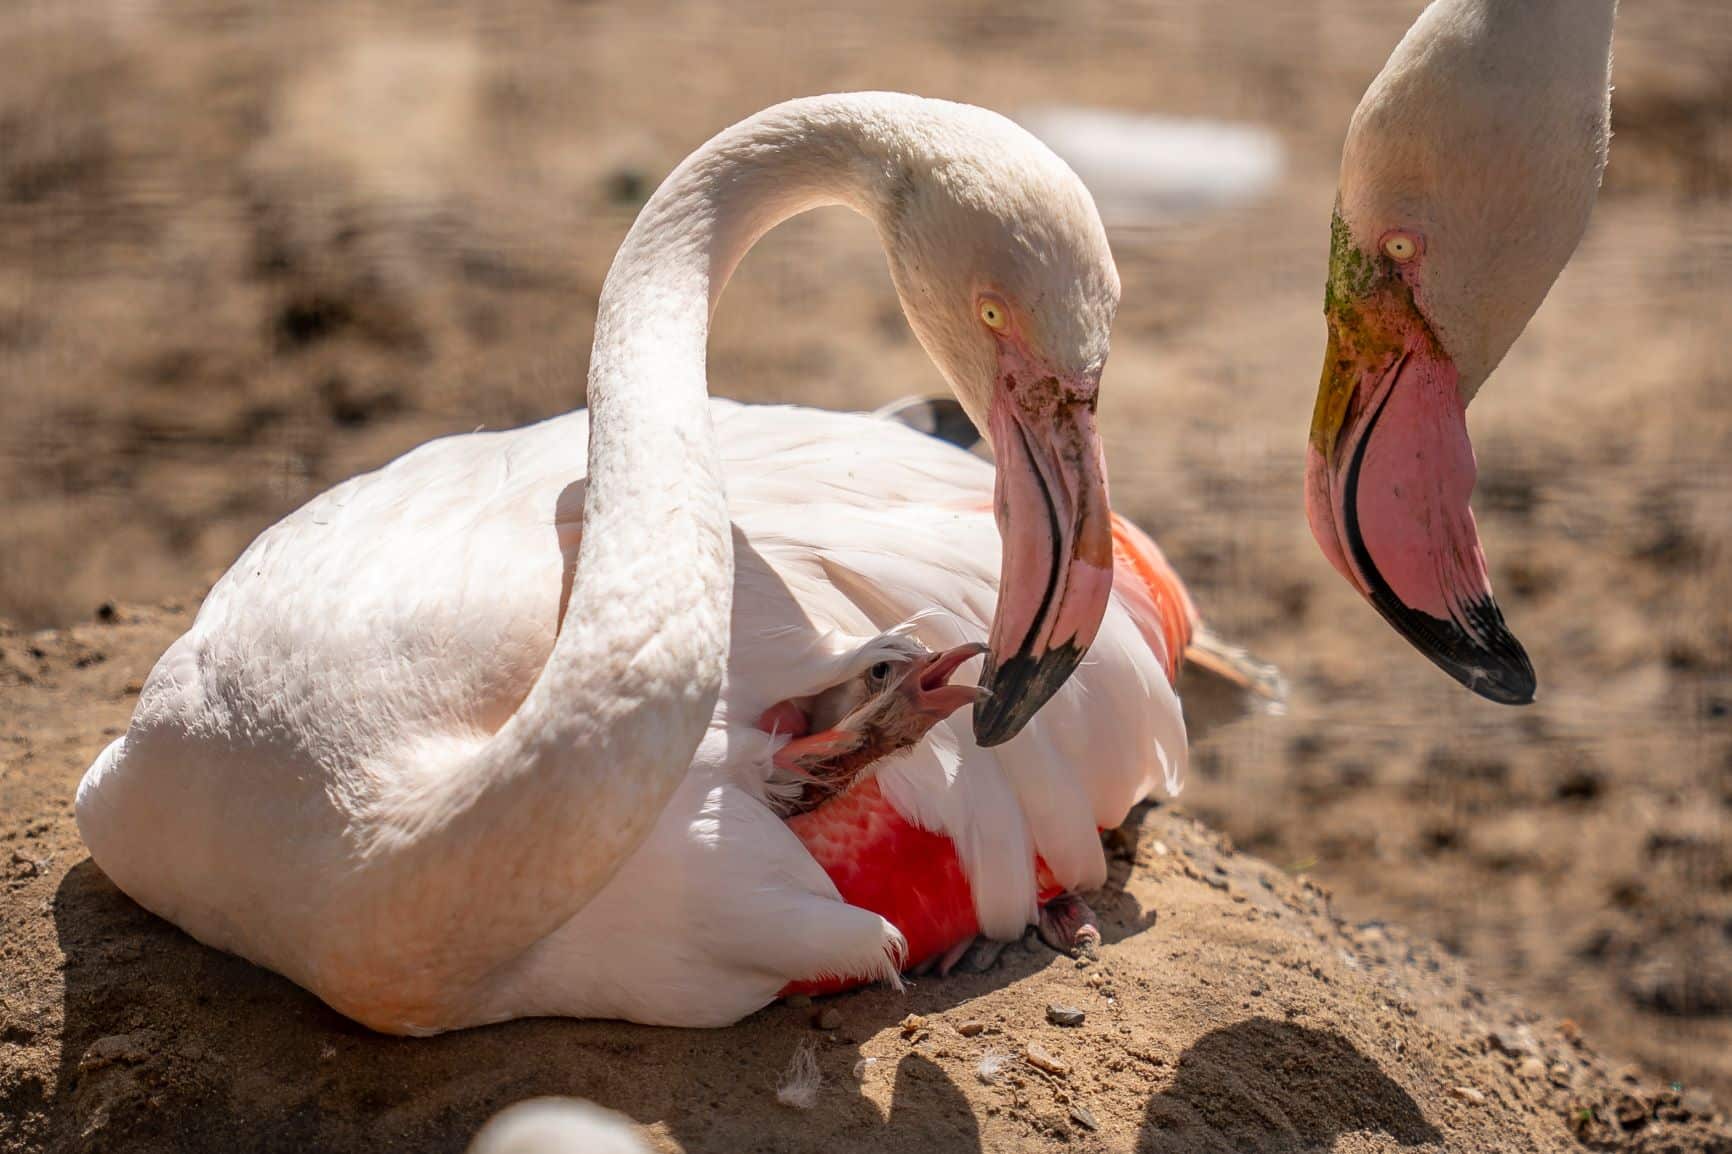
x: 974, y: 955
x: 1069, y: 926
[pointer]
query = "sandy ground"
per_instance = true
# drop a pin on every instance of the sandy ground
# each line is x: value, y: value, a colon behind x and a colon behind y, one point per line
x: 248, y: 250
x: 1229, y: 1010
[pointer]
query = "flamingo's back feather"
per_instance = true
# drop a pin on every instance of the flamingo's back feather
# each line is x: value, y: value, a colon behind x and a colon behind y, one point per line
x: 407, y: 612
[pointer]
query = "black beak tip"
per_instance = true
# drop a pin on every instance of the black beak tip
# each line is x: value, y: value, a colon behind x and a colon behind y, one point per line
x: 1482, y: 654
x: 1507, y: 687
x: 1017, y: 689
x: 1476, y: 648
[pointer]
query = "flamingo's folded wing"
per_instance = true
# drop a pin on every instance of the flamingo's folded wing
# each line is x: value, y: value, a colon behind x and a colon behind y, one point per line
x: 895, y: 526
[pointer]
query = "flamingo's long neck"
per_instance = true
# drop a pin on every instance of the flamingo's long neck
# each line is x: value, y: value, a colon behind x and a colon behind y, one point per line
x: 1578, y: 33
x: 498, y: 852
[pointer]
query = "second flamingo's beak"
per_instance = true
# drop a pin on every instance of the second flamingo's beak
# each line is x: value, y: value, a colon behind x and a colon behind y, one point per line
x: 1057, y: 569
x: 1387, y: 479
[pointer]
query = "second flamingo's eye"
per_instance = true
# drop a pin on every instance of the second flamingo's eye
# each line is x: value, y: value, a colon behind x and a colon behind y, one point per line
x: 879, y: 673
x: 993, y: 315
x: 1401, y: 247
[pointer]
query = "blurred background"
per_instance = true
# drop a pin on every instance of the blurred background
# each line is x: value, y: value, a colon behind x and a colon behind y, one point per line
x: 249, y: 249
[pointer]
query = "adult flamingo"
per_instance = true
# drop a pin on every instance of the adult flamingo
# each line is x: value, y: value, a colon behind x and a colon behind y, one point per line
x: 422, y: 723
x: 1470, y: 170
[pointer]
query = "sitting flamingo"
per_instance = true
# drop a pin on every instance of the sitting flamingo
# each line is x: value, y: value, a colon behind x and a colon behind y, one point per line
x: 477, y: 736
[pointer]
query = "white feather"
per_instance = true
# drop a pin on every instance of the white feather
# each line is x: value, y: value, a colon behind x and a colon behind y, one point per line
x: 801, y: 1081
x: 558, y: 1126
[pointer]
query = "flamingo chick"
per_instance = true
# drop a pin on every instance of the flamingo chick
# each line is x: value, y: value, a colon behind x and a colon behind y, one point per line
x: 841, y: 732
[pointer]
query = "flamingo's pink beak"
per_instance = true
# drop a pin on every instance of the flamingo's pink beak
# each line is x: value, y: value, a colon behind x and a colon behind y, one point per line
x: 1387, y: 480
x: 1057, y: 569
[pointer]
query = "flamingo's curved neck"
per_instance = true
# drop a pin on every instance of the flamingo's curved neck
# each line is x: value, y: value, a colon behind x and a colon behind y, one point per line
x: 630, y: 687
x: 1530, y: 45
x: 566, y: 790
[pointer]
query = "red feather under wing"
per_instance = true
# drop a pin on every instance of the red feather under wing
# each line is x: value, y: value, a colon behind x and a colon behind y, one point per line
x: 911, y: 877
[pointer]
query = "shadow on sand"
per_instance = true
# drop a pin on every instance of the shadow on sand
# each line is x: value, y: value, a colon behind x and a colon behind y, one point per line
x: 1263, y: 1085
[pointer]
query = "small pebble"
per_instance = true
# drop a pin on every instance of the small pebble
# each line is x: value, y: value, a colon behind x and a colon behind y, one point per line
x: 29, y: 867
x: 1631, y: 1111
x: 798, y: 1001
x: 1084, y: 1117
x: 115, y: 1048
x: 1468, y: 1094
x: 1699, y: 1102
x: 913, y: 1024
x: 1532, y: 1069
x: 970, y: 1029
x: 1041, y: 1060
x: 1512, y: 1042
x: 829, y: 1018
x: 1064, y: 1015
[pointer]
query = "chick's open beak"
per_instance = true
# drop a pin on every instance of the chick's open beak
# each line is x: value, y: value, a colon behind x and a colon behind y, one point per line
x: 927, y: 683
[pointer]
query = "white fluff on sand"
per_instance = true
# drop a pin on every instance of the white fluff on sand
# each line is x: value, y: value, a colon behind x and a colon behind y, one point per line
x: 800, y: 1082
x: 559, y: 1126
x: 992, y: 1065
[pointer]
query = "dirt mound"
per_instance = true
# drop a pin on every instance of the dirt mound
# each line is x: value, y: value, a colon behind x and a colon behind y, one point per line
x: 1228, y: 1010
x: 245, y: 254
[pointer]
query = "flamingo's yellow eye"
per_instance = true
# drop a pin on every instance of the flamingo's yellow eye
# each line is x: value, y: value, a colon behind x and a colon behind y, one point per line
x: 993, y: 316
x: 1400, y: 247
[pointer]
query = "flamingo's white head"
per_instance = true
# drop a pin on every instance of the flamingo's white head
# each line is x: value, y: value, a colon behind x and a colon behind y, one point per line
x: 1003, y: 268
x: 1467, y: 179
